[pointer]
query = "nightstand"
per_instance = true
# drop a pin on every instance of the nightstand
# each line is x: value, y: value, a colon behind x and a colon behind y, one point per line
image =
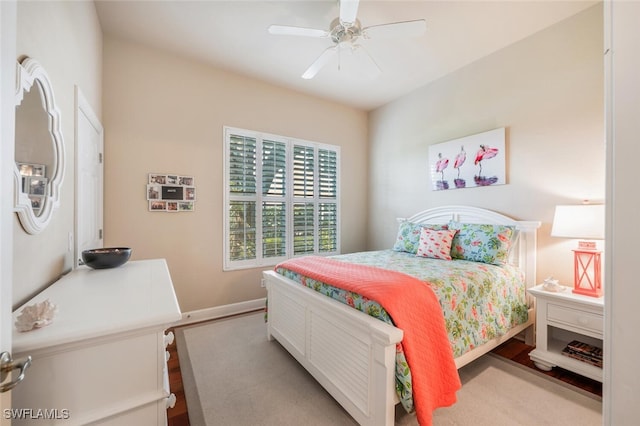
x: 562, y: 317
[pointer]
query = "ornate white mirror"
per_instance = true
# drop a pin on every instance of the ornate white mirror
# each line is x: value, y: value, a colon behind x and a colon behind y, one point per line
x: 39, y: 148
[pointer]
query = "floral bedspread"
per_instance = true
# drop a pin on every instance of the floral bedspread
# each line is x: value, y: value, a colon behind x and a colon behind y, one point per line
x: 479, y: 301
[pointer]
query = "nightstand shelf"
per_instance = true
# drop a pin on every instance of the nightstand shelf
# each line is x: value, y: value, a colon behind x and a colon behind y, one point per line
x: 560, y: 318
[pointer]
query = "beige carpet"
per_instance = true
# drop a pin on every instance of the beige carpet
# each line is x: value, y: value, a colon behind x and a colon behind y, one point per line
x: 233, y: 376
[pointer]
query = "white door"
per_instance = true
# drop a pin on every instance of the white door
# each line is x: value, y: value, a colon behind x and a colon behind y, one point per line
x: 89, y: 177
x: 7, y: 155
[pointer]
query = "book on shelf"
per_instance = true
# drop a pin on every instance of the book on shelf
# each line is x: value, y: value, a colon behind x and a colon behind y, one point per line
x: 584, y: 348
x: 584, y: 352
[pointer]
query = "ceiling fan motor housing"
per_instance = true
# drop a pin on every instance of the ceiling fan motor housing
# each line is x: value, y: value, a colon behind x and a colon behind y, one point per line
x: 341, y: 32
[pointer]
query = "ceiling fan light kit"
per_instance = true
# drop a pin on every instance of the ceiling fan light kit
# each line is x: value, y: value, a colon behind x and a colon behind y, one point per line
x: 345, y: 31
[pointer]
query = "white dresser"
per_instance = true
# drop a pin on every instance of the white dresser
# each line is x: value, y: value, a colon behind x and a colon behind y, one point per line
x: 103, y: 359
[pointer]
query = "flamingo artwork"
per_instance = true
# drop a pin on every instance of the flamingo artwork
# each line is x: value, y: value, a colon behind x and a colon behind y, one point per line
x: 468, y: 162
x: 457, y: 163
x: 442, y: 164
x: 484, y: 153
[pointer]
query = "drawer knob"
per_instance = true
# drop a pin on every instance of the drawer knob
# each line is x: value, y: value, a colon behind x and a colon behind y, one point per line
x: 171, y: 401
x: 168, y: 338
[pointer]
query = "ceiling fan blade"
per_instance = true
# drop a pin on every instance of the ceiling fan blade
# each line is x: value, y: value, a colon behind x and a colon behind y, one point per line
x: 348, y: 11
x: 297, y: 31
x: 320, y: 62
x: 396, y: 29
x: 372, y: 67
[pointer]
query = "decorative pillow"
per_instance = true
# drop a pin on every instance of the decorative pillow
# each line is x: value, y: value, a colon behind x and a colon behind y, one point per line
x: 409, y: 236
x: 481, y: 243
x: 436, y: 244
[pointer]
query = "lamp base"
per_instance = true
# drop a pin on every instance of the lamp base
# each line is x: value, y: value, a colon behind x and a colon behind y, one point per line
x: 587, y: 273
x: 588, y: 292
x: 587, y: 245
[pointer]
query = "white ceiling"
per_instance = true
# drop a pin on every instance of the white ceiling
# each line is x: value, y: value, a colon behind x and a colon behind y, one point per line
x: 233, y: 35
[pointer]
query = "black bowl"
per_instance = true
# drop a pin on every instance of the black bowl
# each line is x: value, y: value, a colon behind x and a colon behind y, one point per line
x: 104, y: 258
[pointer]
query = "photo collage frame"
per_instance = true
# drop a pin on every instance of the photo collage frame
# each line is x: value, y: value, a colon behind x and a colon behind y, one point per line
x: 171, y: 193
x: 34, y: 183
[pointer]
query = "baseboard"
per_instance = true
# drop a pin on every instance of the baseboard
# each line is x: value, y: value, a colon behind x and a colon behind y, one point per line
x: 220, y: 311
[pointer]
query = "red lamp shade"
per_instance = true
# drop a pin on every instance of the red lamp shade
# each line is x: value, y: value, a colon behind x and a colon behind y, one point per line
x: 584, y: 222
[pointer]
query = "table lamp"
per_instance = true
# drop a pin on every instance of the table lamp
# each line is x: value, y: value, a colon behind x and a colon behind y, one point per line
x: 584, y: 222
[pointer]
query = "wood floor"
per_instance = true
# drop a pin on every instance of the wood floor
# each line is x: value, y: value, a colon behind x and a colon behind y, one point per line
x: 517, y: 351
x: 513, y: 349
x: 178, y: 415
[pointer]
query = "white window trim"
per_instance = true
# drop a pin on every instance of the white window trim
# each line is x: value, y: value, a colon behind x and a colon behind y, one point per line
x: 288, y: 199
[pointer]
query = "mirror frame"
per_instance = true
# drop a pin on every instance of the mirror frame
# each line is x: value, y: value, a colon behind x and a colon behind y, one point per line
x: 28, y: 72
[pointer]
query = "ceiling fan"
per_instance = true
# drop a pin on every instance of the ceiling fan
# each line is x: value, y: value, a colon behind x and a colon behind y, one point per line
x: 346, y: 31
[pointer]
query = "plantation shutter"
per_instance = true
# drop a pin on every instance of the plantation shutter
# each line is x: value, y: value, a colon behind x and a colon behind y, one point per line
x: 328, y: 171
x: 242, y: 230
x: 303, y: 226
x: 303, y: 171
x: 327, y: 227
x: 242, y: 205
x: 328, y: 207
x: 274, y: 209
x: 282, y: 199
x: 303, y: 188
x: 242, y: 165
x: 274, y: 164
x: 274, y: 227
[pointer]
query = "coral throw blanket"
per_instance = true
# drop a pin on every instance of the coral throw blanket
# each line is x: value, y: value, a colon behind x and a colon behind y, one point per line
x: 415, y: 309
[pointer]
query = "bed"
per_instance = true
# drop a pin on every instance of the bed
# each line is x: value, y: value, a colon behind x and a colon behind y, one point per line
x: 354, y: 355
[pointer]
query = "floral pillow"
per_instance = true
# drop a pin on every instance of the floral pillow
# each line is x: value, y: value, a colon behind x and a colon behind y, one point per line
x: 481, y: 243
x: 436, y: 244
x: 409, y: 236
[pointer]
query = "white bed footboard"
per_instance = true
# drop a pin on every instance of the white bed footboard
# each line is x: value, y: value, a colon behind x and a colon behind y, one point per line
x: 351, y: 354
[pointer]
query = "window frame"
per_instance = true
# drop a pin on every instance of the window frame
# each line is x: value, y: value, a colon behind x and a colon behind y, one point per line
x: 289, y: 198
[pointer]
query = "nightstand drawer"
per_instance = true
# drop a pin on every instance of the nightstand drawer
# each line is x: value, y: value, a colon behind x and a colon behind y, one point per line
x: 586, y: 320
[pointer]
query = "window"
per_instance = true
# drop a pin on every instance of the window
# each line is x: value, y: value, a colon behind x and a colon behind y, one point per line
x: 281, y: 198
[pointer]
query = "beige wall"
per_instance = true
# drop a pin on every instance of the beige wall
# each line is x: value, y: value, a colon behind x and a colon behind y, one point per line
x: 547, y: 90
x: 165, y: 114
x: 65, y: 37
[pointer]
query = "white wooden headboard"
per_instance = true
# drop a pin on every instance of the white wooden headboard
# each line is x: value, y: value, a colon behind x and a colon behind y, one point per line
x: 525, y: 242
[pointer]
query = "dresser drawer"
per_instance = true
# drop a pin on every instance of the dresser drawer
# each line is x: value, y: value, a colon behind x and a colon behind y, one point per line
x: 577, y: 318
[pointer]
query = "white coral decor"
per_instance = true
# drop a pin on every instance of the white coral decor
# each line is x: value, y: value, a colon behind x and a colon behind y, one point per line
x: 36, y: 316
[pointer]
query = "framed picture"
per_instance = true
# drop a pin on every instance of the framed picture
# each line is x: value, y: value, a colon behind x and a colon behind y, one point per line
x: 159, y: 179
x: 35, y: 185
x: 157, y: 205
x: 170, y: 192
x: 34, y: 181
x: 185, y: 206
x: 36, y: 202
x: 185, y: 180
x: 30, y: 169
x: 190, y: 193
x: 153, y: 192
x: 471, y: 161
